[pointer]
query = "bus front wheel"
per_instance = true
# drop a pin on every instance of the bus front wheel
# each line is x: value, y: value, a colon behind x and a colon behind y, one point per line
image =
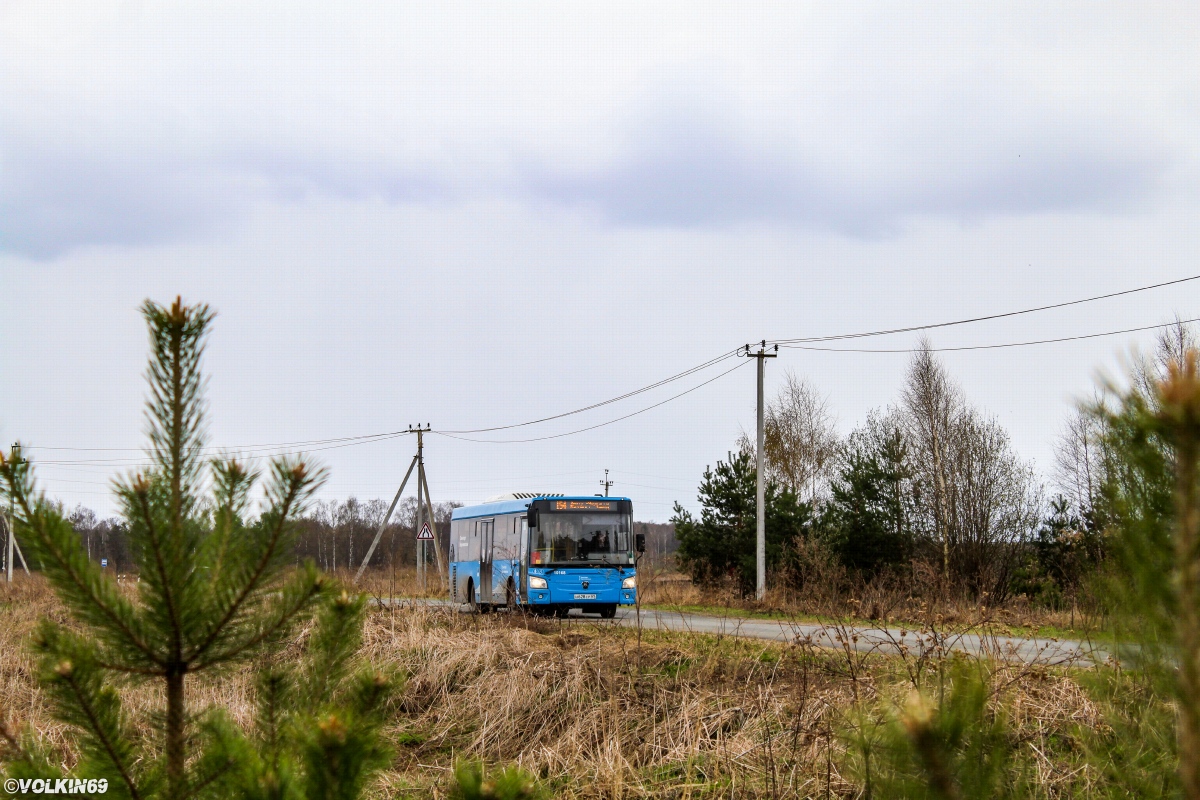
x: 608, y: 611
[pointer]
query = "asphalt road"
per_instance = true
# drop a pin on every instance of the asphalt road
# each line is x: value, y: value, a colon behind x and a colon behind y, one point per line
x: 884, y: 640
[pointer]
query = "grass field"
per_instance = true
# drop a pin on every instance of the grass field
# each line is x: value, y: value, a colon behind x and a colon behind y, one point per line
x: 597, y: 711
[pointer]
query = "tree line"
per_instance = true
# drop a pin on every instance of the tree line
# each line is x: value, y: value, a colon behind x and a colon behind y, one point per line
x: 928, y: 489
x: 334, y: 534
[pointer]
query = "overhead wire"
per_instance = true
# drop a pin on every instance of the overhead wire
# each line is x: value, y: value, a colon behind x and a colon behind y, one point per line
x: 678, y: 376
x: 134, y: 462
x: 592, y: 427
x: 347, y: 441
x: 240, y: 448
x: 316, y: 445
x: 987, y: 346
x: 988, y: 317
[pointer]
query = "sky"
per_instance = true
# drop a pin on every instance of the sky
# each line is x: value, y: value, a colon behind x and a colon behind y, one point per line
x: 475, y: 215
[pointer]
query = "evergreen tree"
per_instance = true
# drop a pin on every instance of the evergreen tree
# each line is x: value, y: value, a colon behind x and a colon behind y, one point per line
x: 952, y: 747
x: 722, y: 542
x: 214, y: 591
x: 1151, y: 498
x: 866, y: 522
x: 1065, y: 552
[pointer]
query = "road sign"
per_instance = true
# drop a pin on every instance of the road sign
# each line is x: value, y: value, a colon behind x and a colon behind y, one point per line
x: 104, y: 562
x: 425, y: 533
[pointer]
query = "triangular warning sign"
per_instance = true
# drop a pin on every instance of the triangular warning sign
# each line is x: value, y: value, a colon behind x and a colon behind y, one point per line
x: 425, y: 532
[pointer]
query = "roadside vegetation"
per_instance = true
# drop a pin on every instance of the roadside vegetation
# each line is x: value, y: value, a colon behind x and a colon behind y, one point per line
x: 584, y: 712
x: 221, y: 663
x: 926, y: 508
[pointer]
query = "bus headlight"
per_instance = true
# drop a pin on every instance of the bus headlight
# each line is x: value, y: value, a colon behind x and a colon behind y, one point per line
x: 536, y: 583
x: 630, y: 582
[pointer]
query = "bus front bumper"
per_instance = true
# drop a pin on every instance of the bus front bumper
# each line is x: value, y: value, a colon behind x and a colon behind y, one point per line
x: 578, y: 599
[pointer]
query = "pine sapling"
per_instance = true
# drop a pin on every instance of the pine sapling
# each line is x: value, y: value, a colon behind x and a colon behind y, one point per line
x: 215, y: 588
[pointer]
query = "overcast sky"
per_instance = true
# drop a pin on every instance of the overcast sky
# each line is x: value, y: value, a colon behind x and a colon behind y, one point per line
x: 478, y: 214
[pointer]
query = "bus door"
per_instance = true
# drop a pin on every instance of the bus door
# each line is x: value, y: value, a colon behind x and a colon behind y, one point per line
x: 487, y: 534
x: 523, y: 556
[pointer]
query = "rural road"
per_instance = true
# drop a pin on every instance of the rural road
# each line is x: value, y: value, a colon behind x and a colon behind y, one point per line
x: 883, y: 640
x: 888, y: 641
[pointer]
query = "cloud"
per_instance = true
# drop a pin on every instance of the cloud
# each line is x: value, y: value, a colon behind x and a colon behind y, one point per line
x: 691, y: 168
x: 176, y: 124
x: 52, y: 201
x: 686, y: 170
x: 55, y: 200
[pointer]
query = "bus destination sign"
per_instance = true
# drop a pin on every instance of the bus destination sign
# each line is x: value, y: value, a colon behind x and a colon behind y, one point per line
x: 584, y: 505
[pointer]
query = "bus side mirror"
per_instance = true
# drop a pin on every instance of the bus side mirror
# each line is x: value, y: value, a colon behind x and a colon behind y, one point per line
x: 639, y: 542
x: 532, y: 517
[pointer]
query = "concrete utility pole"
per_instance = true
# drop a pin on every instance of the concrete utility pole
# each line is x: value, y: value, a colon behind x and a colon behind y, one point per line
x: 8, y: 545
x: 760, y: 495
x: 8, y: 526
x: 420, y: 504
x: 606, y: 483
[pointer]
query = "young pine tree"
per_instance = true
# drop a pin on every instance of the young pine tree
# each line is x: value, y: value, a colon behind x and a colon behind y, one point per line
x: 214, y: 591
x: 955, y: 748
x: 721, y: 543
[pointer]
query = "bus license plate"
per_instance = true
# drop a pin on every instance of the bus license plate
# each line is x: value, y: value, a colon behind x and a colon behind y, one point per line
x: 585, y: 597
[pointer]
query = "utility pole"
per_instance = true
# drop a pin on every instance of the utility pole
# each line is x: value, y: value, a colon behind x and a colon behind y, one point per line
x: 8, y: 523
x: 760, y: 494
x: 420, y: 500
x: 606, y: 483
x: 423, y: 504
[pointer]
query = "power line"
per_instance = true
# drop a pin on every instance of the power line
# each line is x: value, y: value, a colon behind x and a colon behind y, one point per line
x: 316, y: 445
x: 132, y: 462
x: 454, y: 435
x: 598, y: 425
x: 910, y: 329
x: 627, y: 395
x: 987, y: 346
x: 347, y: 441
x: 240, y: 448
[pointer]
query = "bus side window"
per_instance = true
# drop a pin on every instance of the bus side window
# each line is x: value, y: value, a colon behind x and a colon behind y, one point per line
x: 500, y: 538
x: 511, y: 542
x: 503, y: 526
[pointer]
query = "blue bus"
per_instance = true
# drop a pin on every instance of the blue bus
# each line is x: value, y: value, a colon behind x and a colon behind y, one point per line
x: 548, y: 553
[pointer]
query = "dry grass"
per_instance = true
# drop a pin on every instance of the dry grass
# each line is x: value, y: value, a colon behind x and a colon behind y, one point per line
x: 581, y: 705
x: 397, y: 582
x: 912, y: 602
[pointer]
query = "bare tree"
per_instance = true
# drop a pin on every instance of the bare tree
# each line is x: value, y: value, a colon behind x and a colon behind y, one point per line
x: 1080, y: 456
x: 975, y: 497
x: 800, y: 439
x: 1170, y: 346
x: 934, y: 405
x: 85, y: 523
x: 997, y: 502
x: 1081, y: 453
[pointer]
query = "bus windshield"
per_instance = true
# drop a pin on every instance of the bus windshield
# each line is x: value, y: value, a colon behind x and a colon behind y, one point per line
x: 581, y: 539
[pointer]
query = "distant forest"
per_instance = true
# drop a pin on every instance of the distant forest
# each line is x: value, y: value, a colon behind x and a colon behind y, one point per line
x: 336, y: 534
